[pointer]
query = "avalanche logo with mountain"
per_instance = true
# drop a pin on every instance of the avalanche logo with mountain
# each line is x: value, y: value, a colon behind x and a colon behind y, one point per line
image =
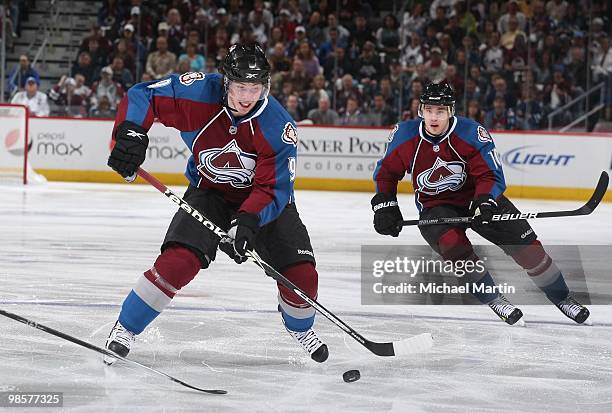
x: 442, y: 176
x: 228, y: 165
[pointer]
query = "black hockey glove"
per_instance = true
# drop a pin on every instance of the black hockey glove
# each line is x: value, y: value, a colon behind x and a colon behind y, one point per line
x: 483, y: 208
x: 241, y: 237
x: 131, y: 142
x: 387, y: 215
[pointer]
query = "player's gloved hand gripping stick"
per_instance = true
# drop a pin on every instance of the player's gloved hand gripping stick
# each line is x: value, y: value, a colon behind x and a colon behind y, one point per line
x: 406, y: 346
x: 586, y: 209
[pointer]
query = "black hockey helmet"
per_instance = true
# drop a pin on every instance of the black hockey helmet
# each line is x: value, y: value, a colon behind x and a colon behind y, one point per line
x: 246, y: 63
x: 441, y: 94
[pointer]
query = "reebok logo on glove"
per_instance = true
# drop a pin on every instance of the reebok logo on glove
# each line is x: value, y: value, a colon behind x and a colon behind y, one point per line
x: 133, y: 134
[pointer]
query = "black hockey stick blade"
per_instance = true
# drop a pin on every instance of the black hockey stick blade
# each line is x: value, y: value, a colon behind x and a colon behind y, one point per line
x: 409, y: 345
x: 586, y: 209
x: 414, y: 344
x: 101, y: 350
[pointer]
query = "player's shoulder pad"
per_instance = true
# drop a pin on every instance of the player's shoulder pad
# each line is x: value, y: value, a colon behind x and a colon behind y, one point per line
x: 277, y: 125
x: 403, y: 132
x: 472, y: 132
x: 196, y: 86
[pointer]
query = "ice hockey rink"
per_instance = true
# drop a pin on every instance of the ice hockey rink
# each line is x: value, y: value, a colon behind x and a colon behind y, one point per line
x: 69, y: 254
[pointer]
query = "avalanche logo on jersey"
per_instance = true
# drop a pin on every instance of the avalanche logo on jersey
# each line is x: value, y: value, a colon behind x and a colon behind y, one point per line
x: 442, y: 176
x: 228, y: 165
x: 483, y: 135
x: 289, y: 135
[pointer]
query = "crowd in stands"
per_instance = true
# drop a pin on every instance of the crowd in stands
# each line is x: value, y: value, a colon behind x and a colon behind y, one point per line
x: 511, y: 63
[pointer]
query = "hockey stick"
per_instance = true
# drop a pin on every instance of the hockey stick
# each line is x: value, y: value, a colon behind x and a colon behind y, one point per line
x: 410, y: 345
x: 101, y: 350
x: 586, y: 209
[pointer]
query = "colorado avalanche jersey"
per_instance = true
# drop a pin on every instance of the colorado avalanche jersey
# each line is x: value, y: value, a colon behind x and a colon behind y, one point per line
x: 250, y: 160
x: 452, y: 169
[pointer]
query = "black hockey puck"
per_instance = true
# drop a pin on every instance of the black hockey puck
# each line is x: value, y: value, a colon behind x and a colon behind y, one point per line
x: 351, y: 376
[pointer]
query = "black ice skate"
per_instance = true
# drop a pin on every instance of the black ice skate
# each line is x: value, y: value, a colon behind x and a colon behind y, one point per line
x: 311, y: 344
x: 119, y: 341
x: 507, y: 311
x: 574, y: 310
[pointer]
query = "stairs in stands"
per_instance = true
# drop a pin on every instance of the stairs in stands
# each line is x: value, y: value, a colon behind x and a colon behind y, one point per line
x: 64, y: 36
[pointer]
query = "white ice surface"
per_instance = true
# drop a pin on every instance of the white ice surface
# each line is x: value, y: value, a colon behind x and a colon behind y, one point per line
x: 69, y: 253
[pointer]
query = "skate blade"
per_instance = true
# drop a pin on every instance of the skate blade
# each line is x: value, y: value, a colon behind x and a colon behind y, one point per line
x: 587, y: 322
x: 519, y: 323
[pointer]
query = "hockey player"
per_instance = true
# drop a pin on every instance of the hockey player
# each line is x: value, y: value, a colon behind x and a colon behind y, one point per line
x: 240, y: 174
x: 456, y: 172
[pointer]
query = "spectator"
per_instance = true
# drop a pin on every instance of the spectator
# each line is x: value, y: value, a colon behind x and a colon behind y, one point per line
x: 387, y: 36
x: 413, y: 110
x: 436, y: 67
x: 454, y: 32
x: 309, y: 59
x: 67, y: 101
x: 415, y: 20
x: 315, y: 92
x: 121, y: 51
x: 493, y: 56
x: 286, y: 24
x: 439, y: 21
x: 528, y: 110
x: 260, y: 28
x: 96, y: 34
x: 337, y: 70
x: 17, y: 77
x: 602, y: 60
x: 266, y: 15
x: 279, y: 60
x: 465, y: 19
x: 507, y: 38
x: 292, y: 106
x: 298, y: 77
x: 346, y: 88
x: 414, y: 53
x: 81, y: 89
x: 368, y: 63
x: 343, y: 33
x: 512, y: 11
x: 85, y: 67
x: 361, y: 33
x: 577, y: 68
x: 556, y: 9
x: 35, y: 101
x: 500, y: 89
x: 474, y: 112
x: 455, y: 80
x: 219, y: 42
x: 225, y: 21
x: 183, y: 66
x: 352, y: 115
x: 103, y: 110
x: 197, y: 63
x: 175, y: 25
x: 381, y: 114
x: 316, y: 34
x: 300, y: 37
x: 134, y: 46
x: 98, y: 56
x: 106, y: 86
x: 174, y: 45
x: 323, y: 115
x: 162, y: 62
x: 120, y: 74
x: 500, y: 118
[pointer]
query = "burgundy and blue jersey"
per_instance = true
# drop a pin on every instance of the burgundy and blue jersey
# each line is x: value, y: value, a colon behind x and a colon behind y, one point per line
x: 250, y: 160
x: 454, y: 168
